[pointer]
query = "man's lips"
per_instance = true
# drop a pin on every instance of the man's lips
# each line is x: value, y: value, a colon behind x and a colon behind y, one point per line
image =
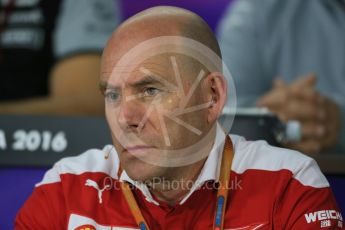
x: 138, y: 148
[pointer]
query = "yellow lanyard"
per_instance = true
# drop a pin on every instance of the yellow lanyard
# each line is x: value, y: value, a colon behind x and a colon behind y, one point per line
x: 222, y: 194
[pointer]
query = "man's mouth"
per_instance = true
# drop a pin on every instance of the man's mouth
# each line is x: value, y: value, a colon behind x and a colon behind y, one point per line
x: 136, y: 149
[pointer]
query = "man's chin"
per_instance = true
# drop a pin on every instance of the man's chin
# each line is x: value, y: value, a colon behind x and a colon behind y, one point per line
x: 140, y: 171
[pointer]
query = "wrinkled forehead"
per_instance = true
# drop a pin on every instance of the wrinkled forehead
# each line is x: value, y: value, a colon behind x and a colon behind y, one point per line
x: 159, y: 67
x: 167, y: 68
x: 126, y: 48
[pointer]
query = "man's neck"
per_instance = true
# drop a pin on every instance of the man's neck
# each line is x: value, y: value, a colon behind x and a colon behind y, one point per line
x: 172, y: 190
x: 179, y: 181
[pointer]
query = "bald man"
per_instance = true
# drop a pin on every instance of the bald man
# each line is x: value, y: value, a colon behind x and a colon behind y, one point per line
x: 172, y: 165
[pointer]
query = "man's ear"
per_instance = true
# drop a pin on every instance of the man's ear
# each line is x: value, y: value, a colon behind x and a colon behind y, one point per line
x: 215, y: 87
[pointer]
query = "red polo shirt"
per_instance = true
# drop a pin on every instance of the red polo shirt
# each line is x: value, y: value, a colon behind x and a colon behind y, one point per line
x: 269, y: 188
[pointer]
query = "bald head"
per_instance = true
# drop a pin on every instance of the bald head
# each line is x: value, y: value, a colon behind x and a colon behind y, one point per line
x: 155, y: 22
x: 172, y: 21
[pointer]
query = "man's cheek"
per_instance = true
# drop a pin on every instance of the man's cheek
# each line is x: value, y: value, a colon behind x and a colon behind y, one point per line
x: 170, y: 100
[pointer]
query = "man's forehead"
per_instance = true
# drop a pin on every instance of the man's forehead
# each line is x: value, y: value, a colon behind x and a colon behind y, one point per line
x: 132, y: 57
x: 156, y: 68
x: 131, y: 34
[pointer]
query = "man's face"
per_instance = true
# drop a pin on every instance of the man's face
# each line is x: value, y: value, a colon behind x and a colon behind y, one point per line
x: 148, y: 111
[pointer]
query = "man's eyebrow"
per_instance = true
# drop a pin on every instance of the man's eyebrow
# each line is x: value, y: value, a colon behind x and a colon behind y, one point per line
x: 158, y: 78
x: 104, y: 86
x: 146, y: 80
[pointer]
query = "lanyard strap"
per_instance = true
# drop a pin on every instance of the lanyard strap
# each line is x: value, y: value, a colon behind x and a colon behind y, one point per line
x: 222, y: 194
x: 138, y: 216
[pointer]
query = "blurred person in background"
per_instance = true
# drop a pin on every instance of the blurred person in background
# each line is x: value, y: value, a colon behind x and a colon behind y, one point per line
x: 50, y: 55
x: 289, y: 56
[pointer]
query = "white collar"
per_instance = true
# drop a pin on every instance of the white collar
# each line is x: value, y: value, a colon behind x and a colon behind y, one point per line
x: 210, y: 170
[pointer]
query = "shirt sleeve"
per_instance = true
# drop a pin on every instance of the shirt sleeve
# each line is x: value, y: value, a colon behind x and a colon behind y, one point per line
x: 84, y: 26
x: 240, y: 39
x: 43, y: 210
x: 308, y: 207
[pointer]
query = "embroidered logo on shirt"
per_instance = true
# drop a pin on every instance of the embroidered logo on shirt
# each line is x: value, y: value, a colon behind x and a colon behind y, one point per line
x: 86, y: 227
x: 94, y: 184
x: 325, y: 217
x: 78, y: 222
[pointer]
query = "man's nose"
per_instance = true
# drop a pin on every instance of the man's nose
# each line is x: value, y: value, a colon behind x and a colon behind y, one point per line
x: 130, y: 115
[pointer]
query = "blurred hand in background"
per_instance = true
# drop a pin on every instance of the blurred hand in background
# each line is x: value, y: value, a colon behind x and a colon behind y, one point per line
x: 318, y: 115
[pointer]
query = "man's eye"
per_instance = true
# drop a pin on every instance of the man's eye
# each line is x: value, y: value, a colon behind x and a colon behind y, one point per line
x: 111, y: 96
x: 151, y: 91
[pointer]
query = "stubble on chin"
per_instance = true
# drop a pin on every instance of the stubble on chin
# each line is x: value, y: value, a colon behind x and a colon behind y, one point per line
x: 139, y: 170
